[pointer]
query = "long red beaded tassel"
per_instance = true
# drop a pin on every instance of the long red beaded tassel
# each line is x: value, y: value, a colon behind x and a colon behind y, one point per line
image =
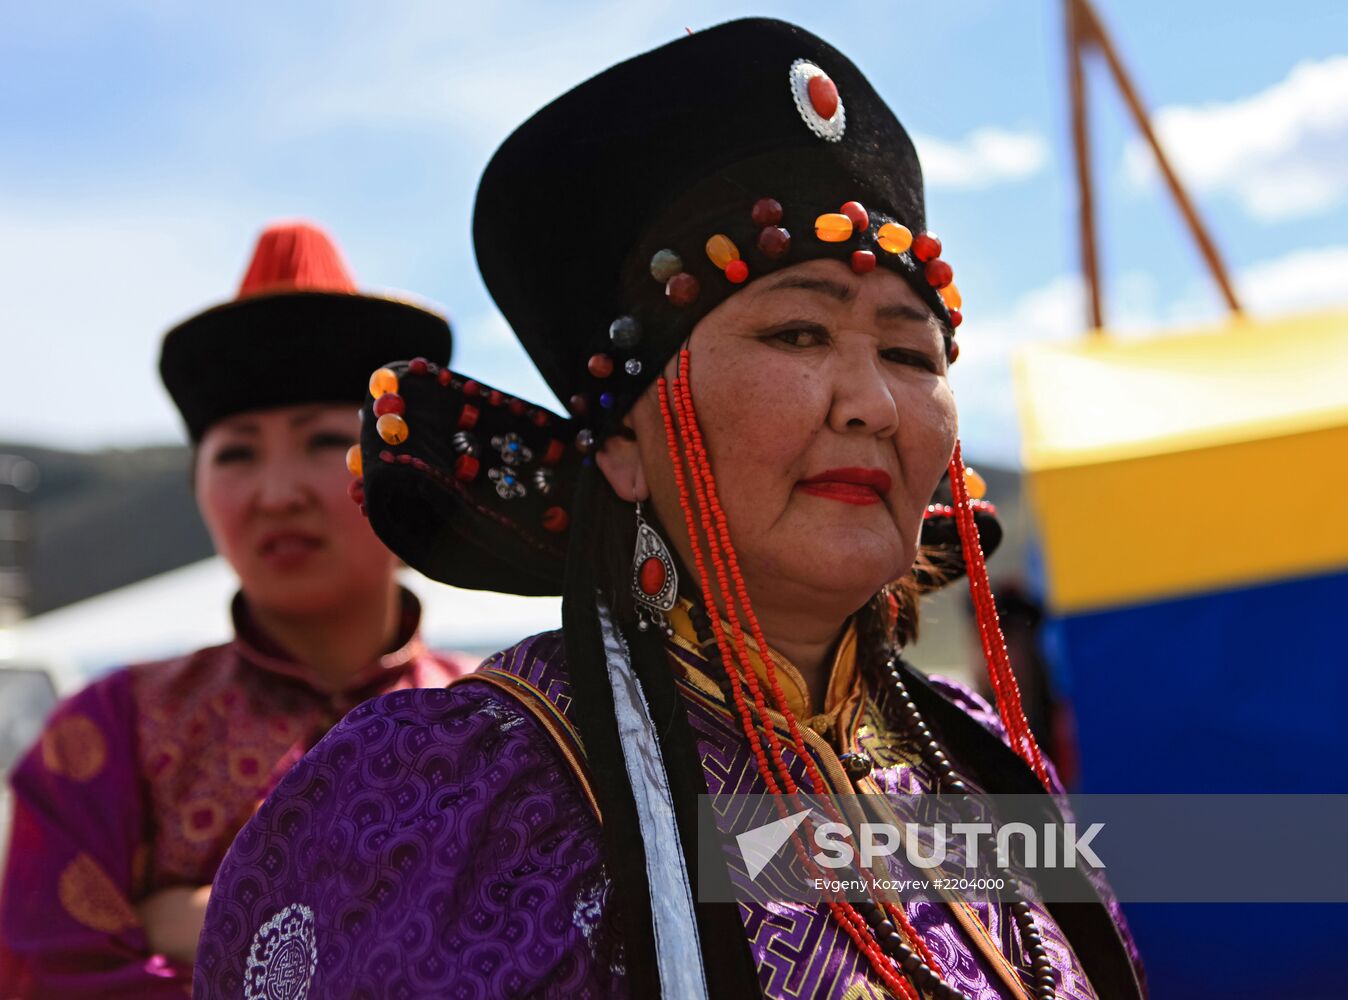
x: 843, y: 912
x: 851, y: 922
x: 1003, y: 679
x: 693, y: 433
x: 702, y: 470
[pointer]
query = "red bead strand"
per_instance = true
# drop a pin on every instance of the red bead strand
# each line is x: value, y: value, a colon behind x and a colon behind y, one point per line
x: 704, y: 483
x: 989, y: 627
x: 816, y: 780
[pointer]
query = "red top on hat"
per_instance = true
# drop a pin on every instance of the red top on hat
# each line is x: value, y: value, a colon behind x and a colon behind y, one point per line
x: 296, y: 256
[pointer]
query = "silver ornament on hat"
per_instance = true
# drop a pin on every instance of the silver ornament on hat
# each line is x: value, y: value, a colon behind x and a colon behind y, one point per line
x: 512, y: 448
x: 508, y: 485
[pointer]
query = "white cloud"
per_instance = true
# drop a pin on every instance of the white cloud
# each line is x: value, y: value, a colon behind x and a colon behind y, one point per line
x: 984, y: 157
x: 1282, y: 152
x: 1305, y: 279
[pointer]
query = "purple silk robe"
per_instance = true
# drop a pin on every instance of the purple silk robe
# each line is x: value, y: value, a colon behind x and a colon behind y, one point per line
x: 444, y: 844
x: 139, y: 783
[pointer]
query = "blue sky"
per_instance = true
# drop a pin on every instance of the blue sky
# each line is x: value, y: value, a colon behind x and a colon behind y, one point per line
x: 142, y: 145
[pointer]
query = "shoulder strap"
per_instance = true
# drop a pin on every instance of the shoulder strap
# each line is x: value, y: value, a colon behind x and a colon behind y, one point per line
x: 549, y: 716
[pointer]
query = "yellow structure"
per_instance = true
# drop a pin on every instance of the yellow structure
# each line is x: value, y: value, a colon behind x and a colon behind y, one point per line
x: 1187, y: 462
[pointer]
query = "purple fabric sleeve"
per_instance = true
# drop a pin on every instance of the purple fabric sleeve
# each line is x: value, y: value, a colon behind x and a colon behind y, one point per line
x: 68, y: 926
x: 434, y: 844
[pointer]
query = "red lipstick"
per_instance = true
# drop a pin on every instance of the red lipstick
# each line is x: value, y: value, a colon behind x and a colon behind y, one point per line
x: 853, y: 485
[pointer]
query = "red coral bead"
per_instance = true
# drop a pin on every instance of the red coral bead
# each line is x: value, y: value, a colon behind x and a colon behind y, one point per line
x: 467, y: 417
x: 539, y: 417
x: 444, y: 376
x: 555, y: 519
x: 417, y: 366
x: 926, y: 246
x: 956, y: 317
x: 737, y: 272
x: 682, y: 289
x: 465, y: 468
x: 774, y: 242
x: 939, y: 273
x: 823, y: 96
x: 517, y: 407
x: 389, y: 402
x: 766, y: 212
x: 471, y: 388
x: 601, y: 365
x: 554, y: 453
x: 861, y: 220
x: 651, y: 577
x: 495, y: 397
x: 954, y: 351
x: 356, y: 490
x: 863, y: 261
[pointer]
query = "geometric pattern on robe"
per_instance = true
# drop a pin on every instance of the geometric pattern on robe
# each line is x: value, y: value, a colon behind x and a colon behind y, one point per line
x: 442, y: 843
x: 139, y: 783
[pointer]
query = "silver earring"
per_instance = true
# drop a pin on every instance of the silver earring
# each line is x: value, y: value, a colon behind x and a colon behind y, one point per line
x: 655, y: 582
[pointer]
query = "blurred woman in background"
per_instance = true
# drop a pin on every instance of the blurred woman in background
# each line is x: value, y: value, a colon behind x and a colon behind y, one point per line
x: 138, y: 784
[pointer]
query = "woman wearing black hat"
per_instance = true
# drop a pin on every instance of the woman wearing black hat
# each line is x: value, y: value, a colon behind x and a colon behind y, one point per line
x: 753, y: 329
x: 139, y: 783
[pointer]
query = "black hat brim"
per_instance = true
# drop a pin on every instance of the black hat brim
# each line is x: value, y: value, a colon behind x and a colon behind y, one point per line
x: 290, y: 348
x: 942, y: 549
x: 453, y: 525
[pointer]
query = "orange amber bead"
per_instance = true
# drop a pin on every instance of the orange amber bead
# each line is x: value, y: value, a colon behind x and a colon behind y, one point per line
x: 353, y: 464
x: 682, y: 289
x: 721, y: 250
x: 392, y: 428
x: 823, y: 97
x: 894, y: 238
x: 855, y: 211
x: 975, y: 484
x: 555, y: 519
x: 927, y: 247
x: 766, y: 212
x: 951, y: 294
x: 833, y: 227
x: 382, y: 381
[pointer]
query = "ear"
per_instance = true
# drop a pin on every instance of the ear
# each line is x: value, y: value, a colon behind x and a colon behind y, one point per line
x: 620, y: 462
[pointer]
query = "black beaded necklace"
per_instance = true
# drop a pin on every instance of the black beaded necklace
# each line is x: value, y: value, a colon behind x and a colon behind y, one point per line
x: 859, y: 765
x: 1031, y: 940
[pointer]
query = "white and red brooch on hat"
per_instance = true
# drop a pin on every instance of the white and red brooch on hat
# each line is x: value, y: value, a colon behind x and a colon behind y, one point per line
x: 817, y: 100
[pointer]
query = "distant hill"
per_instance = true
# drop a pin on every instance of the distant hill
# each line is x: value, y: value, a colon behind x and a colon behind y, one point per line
x: 101, y: 520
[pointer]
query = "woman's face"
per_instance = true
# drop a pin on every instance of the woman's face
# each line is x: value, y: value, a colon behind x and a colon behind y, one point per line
x: 824, y: 404
x: 272, y: 487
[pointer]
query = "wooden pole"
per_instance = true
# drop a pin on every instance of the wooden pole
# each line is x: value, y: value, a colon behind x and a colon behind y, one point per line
x: 1090, y: 262
x: 1090, y: 30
